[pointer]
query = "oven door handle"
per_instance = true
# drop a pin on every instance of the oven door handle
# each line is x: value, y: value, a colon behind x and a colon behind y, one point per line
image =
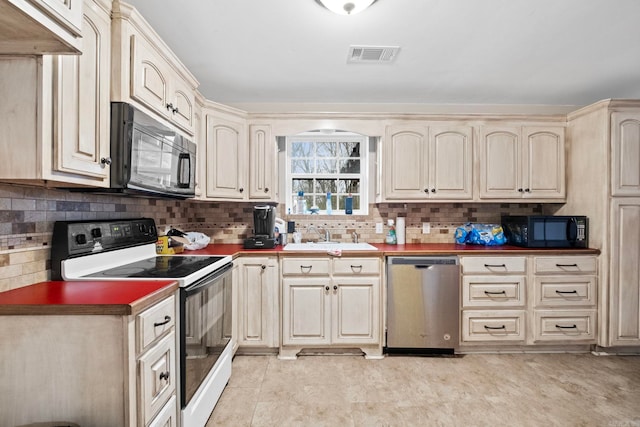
x: 206, y: 281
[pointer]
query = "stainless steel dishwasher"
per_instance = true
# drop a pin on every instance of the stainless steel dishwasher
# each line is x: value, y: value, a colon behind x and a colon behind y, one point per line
x: 423, y: 314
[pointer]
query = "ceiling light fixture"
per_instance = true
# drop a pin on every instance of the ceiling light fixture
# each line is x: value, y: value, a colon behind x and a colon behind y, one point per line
x: 346, y: 7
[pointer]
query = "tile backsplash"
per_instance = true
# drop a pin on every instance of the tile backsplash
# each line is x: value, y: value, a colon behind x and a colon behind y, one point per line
x: 27, y: 215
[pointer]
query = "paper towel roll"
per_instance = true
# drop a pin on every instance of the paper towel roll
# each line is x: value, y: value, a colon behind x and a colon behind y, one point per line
x: 400, y: 230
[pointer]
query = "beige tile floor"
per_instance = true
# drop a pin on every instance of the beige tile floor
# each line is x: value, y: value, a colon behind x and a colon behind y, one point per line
x: 473, y: 390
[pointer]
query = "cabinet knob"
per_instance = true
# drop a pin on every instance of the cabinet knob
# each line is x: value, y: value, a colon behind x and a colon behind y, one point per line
x: 326, y: 288
x: 241, y: 189
x: 526, y: 190
x: 170, y: 106
x: 105, y: 160
x: 263, y: 266
x: 335, y: 287
x: 164, y: 375
x: 520, y: 190
x: 266, y: 190
x: 433, y: 190
x: 175, y: 110
x: 426, y: 190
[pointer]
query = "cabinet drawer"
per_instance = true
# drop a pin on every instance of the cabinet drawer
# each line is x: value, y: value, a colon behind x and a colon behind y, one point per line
x: 565, y: 326
x: 157, y: 377
x: 152, y: 323
x: 493, y: 265
x: 565, y: 265
x: 168, y: 416
x: 356, y: 266
x: 305, y: 266
x: 556, y: 291
x: 486, y: 291
x: 493, y: 325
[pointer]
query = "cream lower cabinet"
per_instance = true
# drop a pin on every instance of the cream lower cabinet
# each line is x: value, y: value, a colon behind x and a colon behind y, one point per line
x: 91, y: 369
x: 56, y: 129
x: 493, y: 300
x: 258, y: 302
x: 331, y: 303
x: 564, y: 299
x: 522, y: 163
x: 625, y: 272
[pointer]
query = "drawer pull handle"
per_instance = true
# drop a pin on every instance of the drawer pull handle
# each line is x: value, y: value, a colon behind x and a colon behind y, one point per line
x: 306, y: 267
x: 495, y: 293
x: 357, y: 266
x: 495, y: 327
x: 567, y: 265
x: 164, y: 375
x: 167, y: 319
x: 566, y: 292
x: 495, y: 265
x: 567, y: 327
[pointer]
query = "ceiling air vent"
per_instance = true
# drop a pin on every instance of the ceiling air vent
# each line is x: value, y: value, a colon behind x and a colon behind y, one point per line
x: 372, y: 54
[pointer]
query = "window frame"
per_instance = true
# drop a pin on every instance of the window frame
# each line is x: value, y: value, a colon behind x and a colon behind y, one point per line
x: 334, y: 137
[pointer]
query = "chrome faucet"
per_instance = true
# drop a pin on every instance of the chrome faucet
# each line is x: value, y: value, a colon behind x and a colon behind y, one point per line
x: 327, y: 233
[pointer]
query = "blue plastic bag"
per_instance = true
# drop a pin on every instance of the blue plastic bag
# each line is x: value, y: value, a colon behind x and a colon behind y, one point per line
x: 480, y: 234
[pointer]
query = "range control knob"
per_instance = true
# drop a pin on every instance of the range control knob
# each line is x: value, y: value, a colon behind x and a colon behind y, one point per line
x: 96, y: 233
x: 81, y: 239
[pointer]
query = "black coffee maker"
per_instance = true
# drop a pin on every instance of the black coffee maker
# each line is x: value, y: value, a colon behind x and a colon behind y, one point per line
x: 264, y: 224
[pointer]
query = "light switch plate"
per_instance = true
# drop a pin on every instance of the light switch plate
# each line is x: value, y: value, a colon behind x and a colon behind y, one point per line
x: 378, y: 227
x: 426, y: 227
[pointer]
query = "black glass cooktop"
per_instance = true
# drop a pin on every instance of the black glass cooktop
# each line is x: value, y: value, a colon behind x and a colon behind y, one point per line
x: 160, y: 267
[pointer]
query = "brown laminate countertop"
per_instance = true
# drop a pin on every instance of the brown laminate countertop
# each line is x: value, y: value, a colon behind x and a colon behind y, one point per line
x: 399, y: 250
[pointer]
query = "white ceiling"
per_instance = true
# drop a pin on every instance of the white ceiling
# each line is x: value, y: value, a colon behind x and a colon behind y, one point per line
x: 543, y: 52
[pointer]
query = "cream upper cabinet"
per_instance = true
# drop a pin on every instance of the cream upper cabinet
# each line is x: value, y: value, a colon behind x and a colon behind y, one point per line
x: 147, y: 73
x: 81, y: 105
x: 522, y: 163
x: 258, y: 302
x: 225, y: 158
x: 41, y: 27
x: 262, y: 163
x: 423, y: 163
x: 625, y: 272
x: 60, y: 111
x: 625, y: 143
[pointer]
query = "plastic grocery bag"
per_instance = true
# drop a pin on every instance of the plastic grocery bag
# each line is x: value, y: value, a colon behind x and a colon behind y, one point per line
x: 480, y: 234
x: 197, y: 240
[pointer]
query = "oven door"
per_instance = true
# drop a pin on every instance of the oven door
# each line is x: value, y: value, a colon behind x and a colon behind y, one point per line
x: 205, y: 328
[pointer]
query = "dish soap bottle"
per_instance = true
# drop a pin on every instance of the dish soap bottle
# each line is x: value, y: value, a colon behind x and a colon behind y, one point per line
x: 329, y: 204
x: 301, y: 203
x: 391, y: 234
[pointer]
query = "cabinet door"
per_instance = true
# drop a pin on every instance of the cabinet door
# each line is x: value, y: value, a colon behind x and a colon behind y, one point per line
x: 225, y: 159
x: 405, y: 163
x: 625, y: 272
x: 625, y: 141
x: 451, y: 166
x: 67, y: 12
x: 262, y: 163
x: 306, y: 311
x: 81, y: 103
x: 500, y: 163
x: 356, y: 310
x: 182, y: 102
x: 149, y: 76
x: 258, y: 302
x: 543, y: 160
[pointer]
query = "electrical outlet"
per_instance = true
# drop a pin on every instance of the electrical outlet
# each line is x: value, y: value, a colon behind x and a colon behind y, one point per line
x: 426, y: 227
x: 378, y: 227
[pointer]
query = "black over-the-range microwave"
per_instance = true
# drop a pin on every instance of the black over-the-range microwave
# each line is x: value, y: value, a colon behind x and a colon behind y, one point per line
x: 546, y: 231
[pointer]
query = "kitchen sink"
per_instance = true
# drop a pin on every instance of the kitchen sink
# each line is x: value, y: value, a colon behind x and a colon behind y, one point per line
x: 329, y: 246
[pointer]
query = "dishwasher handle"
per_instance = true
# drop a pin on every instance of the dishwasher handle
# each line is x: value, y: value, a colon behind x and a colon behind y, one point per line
x: 423, y: 262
